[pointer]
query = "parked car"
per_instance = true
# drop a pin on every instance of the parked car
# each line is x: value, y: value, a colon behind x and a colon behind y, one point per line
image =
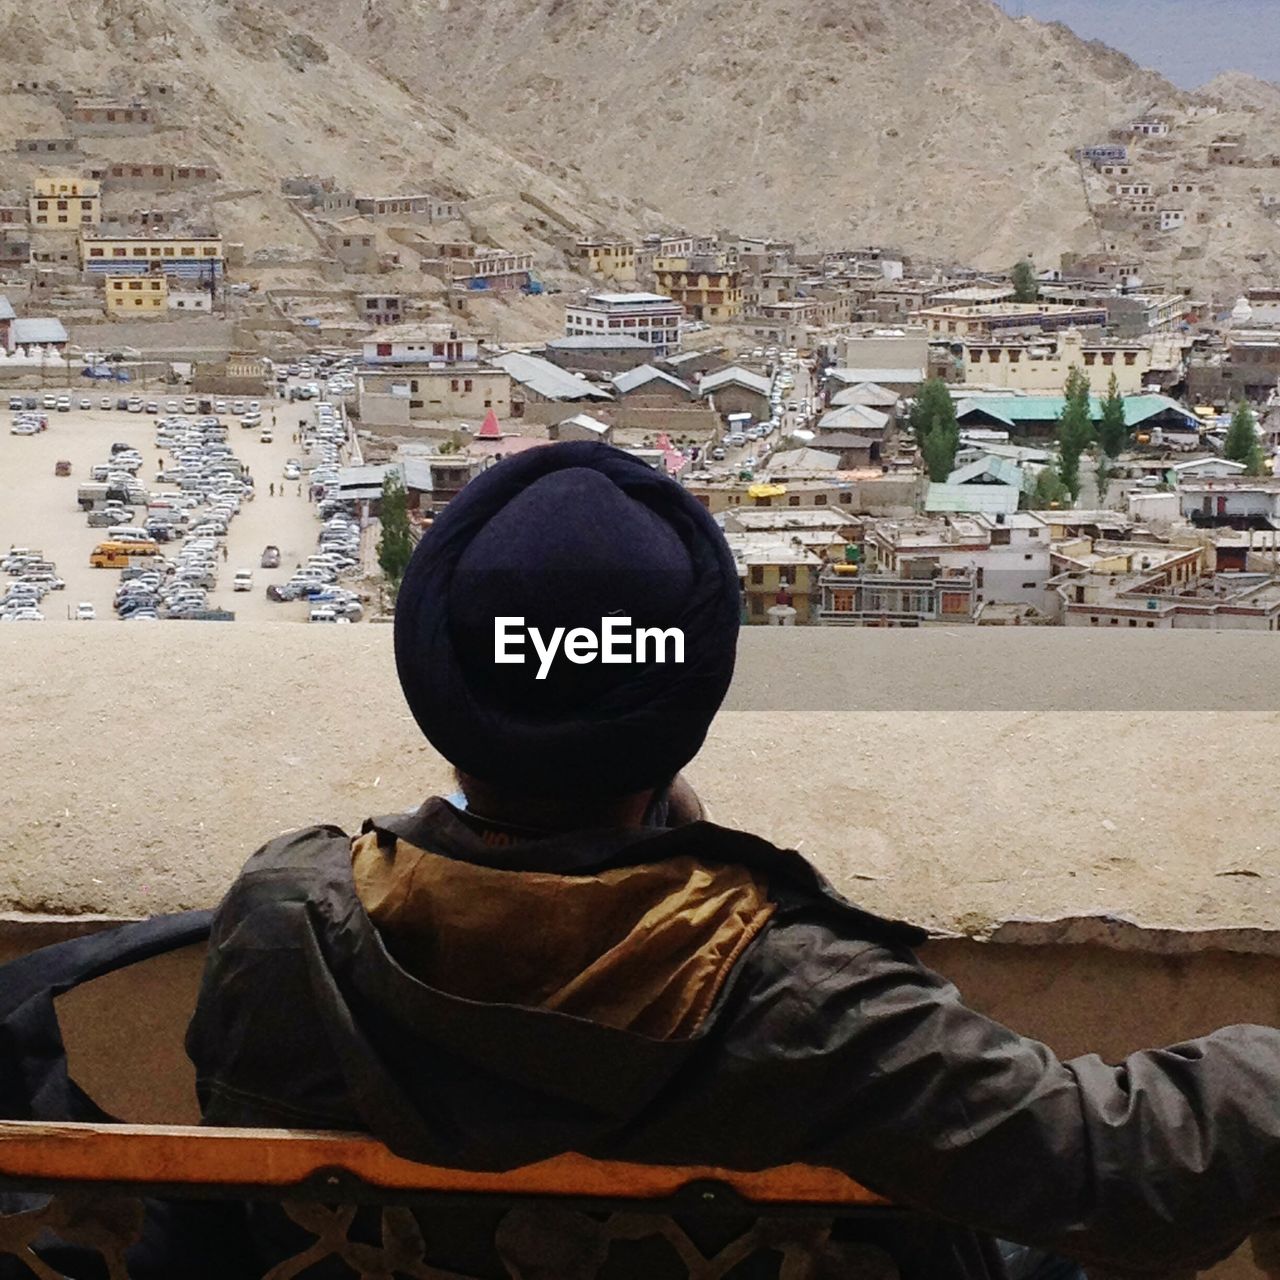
x: 85, y: 612
x: 243, y: 581
x: 270, y: 557
x: 105, y: 403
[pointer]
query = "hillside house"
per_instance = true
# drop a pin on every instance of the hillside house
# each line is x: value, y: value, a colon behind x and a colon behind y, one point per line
x: 356, y: 252
x: 65, y: 203
x: 193, y: 256
x: 380, y: 308
x: 136, y: 296
x: 581, y: 426
x: 612, y: 259
x: 708, y: 287
x: 423, y: 344
x: 1172, y: 219
x: 46, y: 146
x: 408, y: 208
x: 149, y: 174
x: 482, y: 268
x: 111, y: 119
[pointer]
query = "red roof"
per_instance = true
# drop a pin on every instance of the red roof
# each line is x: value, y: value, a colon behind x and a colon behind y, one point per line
x: 490, y: 430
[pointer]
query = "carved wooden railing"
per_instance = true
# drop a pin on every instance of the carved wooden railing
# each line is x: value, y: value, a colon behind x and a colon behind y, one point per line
x: 87, y: 1187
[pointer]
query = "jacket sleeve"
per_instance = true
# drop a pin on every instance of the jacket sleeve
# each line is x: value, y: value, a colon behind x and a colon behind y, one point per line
x: 1166, y: 1160
x: 262, y: 1056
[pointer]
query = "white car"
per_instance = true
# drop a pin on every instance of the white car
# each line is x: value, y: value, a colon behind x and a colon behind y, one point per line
x: 85, y: 612
x: 243, y: 581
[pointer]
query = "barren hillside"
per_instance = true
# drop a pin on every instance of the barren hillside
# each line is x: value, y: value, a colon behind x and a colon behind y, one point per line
x: 940, y: 124
x: 264, y: 97
x: 1240, y: 91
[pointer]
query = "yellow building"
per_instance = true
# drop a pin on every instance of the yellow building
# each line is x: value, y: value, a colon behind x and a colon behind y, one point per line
x: 136, y: 295
x: 611, y: 259
x: 193, y: 257
x: 708, y: 287
x: 65, y: 203
x: 1044, y: 365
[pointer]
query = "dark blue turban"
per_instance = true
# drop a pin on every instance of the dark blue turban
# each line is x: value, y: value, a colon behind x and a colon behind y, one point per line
x: 567, y: 535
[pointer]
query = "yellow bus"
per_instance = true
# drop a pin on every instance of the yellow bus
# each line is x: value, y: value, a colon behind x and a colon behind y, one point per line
x: 119, y: 555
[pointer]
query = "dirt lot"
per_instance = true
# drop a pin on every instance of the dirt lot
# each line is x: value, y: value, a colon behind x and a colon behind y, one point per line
x: 39, y: 509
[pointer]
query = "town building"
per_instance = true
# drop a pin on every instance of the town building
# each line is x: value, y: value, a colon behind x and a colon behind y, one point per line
x: 594, y: 354
x: 737, y: 390
x: 989, y: 320
x: 110, y: 119
x: 1031, y: 416
x: 471, y: 266
x: 380, y: 308
x: 408, y: 396
x: 1241, y: 502
x: 419, y: 344
x: 31, y: 332
x: 611, y: 259
x: 199, y: 301
x: 46, y: 146
x: 356, y: 252
x: 1044, y: 365
x: 708, y: 287
x: 541, y: 382
x: 142, y: 174
x: 197, y: 256
x: 1007, y: 554
x: 408, y: 208
x: 650, y: 317
x: 924, y: 593
x: 65, y: 203
x: 134, y: 295
x: 775, y: 573
x: 581, y: 426
x: 646, y: 385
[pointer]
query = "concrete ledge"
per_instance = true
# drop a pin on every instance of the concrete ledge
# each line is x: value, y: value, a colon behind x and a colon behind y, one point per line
x: 143, y: 764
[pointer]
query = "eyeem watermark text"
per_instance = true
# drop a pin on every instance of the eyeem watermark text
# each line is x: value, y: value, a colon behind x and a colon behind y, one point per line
x: 617, y: 642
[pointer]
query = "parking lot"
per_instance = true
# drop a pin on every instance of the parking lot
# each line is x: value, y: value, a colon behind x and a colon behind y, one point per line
x: 38, y: 509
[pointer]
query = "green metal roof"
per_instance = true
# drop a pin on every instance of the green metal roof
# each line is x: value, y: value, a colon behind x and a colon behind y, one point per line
x: 1014, y: 409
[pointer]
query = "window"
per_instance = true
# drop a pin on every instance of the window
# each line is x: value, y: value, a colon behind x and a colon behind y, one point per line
x: 120, y: 252
x: 135, y: 284
x: 955, y: 602
x: 793, y: 500
x: 819, y: 499
x: 466, y: 386
x: 757, y: 575
x: 787, y: 574
x: 1115, y: 622
x: 842, y: 600
x: 453, y: 384
x: 846, y: 498
x: 1029, y: 586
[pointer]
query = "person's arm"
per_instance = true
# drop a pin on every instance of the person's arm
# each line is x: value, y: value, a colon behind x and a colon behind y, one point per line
x: 858, y: 1057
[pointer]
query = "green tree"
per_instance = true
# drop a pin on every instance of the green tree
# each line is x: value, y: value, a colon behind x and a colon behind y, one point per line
x: 1075, y: 430
x: 1113, y: 431
x: 395, y: 544
x: 933, y: 420
x: 1242, y: 439
x: 1026, y: 288
x: 1049, y: 490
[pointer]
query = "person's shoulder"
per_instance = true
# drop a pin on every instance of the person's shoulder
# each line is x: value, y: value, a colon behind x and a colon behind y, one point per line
x: 302, y: 865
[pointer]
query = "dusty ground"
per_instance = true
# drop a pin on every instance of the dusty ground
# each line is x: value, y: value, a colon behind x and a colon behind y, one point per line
x: 39, y: 509
x: 953, y: 777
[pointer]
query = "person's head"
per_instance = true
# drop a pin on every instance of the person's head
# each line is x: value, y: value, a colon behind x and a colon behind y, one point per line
x: 566, y: 631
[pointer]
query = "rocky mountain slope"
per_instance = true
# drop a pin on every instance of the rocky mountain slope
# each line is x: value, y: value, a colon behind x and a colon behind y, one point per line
x: 944, y: 127
x: 262, y: 97
x: 941, y: 123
